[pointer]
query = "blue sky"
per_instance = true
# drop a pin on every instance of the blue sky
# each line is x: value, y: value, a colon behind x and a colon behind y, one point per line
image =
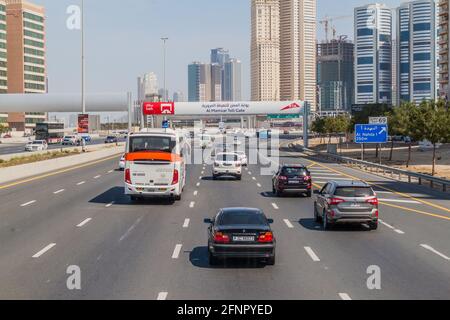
x: 122, y: 39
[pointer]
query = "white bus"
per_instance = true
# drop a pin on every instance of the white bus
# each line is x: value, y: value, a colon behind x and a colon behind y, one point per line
x: 155, y: 164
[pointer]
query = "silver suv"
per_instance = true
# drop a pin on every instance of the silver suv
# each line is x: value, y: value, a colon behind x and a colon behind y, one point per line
x: 346, y: 202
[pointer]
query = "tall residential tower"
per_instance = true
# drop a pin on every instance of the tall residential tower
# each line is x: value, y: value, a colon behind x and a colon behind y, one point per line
x: 373, y: 54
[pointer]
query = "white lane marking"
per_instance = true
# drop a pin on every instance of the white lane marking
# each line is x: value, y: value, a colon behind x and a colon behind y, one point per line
x: 162, y: 296
x: 198, y: 184
x: 192, y: 204
x: 275, y: 206
x: 126, y: 234
x: 202, y: 172
x: 81, y: 183
x: 176, y: 251
x: 59, y: 191
x: 416, y: 195
x: 47, y: 248
x: 326, y: 173
x: 399, y: 231
x: 254, y: 178
x: 109, y: 204
x: 186, y: 223
x: 259, y: 185
x: 84, y: 222
x: 311, y: 253
x: 289, y: 224
x: 195, y: 193
x: 344, y: 296
x: 425, y: 246
x: 246, y: 169
x: 249, y: 173
x: 386, y: 224
x: 28, y: 203
x: 200, y: 178
x: 110, y: 171
x: 320, y: 182
x: 398, y: 200
x: 96, y: 177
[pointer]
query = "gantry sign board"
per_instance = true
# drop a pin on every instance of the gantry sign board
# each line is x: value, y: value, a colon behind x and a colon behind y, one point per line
x: 371, y: 133
x: 223, y: 108
x: 378, y: 120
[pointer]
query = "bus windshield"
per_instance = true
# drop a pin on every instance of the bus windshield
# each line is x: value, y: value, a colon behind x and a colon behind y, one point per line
x: 152, y: 143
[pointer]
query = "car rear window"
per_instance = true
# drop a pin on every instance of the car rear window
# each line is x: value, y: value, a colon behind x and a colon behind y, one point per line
x: 354, y: 192
x: 241, y: 218
x: 294, y: 171
x: 227, y: 157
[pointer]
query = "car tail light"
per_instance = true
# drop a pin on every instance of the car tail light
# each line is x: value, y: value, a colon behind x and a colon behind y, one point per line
x: 128, y: 176
x: 266, y: 237
x: 335, y: 201
x: 373, y: 201
x: 377, y: 213
x: 176, y: 177
x: 283, y: 178
x: 219, y: 237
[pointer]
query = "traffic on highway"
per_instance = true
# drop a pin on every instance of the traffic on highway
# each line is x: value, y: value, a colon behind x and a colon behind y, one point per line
x: 152, y: 223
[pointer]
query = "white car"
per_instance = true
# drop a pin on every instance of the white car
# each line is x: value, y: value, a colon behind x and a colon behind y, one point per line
x: 37, y: 145
x: 227, y: 164
x: 70, y: 141
x: 122, y: 163
x: 242, y: 158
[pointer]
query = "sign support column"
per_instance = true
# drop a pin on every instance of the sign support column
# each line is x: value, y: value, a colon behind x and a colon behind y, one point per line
x: 305, y: 125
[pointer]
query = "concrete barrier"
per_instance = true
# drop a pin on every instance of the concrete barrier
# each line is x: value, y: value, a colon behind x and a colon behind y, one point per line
x: 22, y: 171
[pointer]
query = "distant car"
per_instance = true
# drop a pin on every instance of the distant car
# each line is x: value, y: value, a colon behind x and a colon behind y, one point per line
x: 241, y: 233
x: 227, y: 164
x: 86, y: 138
x: 122, y: 163
x: 346, y: 202
x: 37, y: 145
x: 242, y: 158
x: 70, y: 141
x: 7, y: 136
x: 111, y: 139
x: 292, y: 179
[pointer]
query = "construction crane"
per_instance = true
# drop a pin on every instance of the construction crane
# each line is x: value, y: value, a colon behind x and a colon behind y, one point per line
x: 327, y: 23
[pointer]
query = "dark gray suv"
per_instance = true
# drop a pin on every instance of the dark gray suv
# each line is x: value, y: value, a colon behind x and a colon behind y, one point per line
x: 346, y: 202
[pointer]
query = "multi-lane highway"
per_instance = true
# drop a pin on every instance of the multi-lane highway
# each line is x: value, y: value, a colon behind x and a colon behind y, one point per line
x: 157, y: 249
x: 16, y: 148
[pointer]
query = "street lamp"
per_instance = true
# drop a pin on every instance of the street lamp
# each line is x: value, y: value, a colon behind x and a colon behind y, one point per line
x: 164, y: 40
x: 83, y: 66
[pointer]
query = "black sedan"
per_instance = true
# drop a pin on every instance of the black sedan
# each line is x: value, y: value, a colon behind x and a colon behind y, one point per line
x: 241, y: 233
x: 111, y: 139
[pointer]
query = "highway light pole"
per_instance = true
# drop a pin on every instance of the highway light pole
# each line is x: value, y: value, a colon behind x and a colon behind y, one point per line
x: 83, y: 66
x: 164, y: 40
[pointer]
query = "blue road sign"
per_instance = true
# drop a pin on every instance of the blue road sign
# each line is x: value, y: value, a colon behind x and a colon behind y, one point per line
x: 371, y: 133
x: 166, y: 124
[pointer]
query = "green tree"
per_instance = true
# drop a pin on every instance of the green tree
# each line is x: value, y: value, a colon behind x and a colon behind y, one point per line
x: 431, y: 121
x: 318, y: 126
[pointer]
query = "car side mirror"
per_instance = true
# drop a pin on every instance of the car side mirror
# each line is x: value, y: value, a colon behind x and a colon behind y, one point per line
x: 270, y: 221
x: 208, y: 221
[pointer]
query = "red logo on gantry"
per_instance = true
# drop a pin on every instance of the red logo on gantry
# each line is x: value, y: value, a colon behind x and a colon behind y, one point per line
x: 294, y: 105
x: 158, y: 108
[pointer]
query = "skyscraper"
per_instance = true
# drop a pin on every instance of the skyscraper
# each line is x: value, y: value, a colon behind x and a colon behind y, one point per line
x: 443, y: 33
x: 265, y: 50
x: 298, y: 50
x: 335, y: 75
x: 25, y: 57
x: 150, y: 84
x: 373, y: 54
x: 418, y: 59
x: 199, y: 82
x: 3, y: 53
x: 219, y: 56
x: 178, y: 96
x: 232, y: 80
x: 216, y: 82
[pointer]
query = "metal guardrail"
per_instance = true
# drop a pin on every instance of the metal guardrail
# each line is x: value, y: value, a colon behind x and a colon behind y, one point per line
x: 394, y: 173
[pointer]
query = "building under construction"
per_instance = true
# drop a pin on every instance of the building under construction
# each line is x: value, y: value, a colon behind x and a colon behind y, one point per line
x: 335, y: 75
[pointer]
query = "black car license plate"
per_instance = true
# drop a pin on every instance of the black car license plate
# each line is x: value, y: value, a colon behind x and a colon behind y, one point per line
x: 243, y: 238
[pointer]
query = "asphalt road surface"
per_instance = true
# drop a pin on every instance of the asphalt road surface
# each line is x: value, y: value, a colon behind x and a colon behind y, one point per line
x: 8, y: 148
x: 157, y: 249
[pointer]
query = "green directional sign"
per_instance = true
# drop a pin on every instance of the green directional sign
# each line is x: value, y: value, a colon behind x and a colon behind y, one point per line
x: 283, y: 116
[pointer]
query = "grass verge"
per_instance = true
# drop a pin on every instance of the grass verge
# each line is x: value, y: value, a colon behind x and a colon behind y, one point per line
x: 37, y: 157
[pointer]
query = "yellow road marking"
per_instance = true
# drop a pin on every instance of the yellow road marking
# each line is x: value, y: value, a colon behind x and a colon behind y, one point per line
x: 312, y: 165
x: 416, y: 211
x: 384, y: 188
x: 55, y: 173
